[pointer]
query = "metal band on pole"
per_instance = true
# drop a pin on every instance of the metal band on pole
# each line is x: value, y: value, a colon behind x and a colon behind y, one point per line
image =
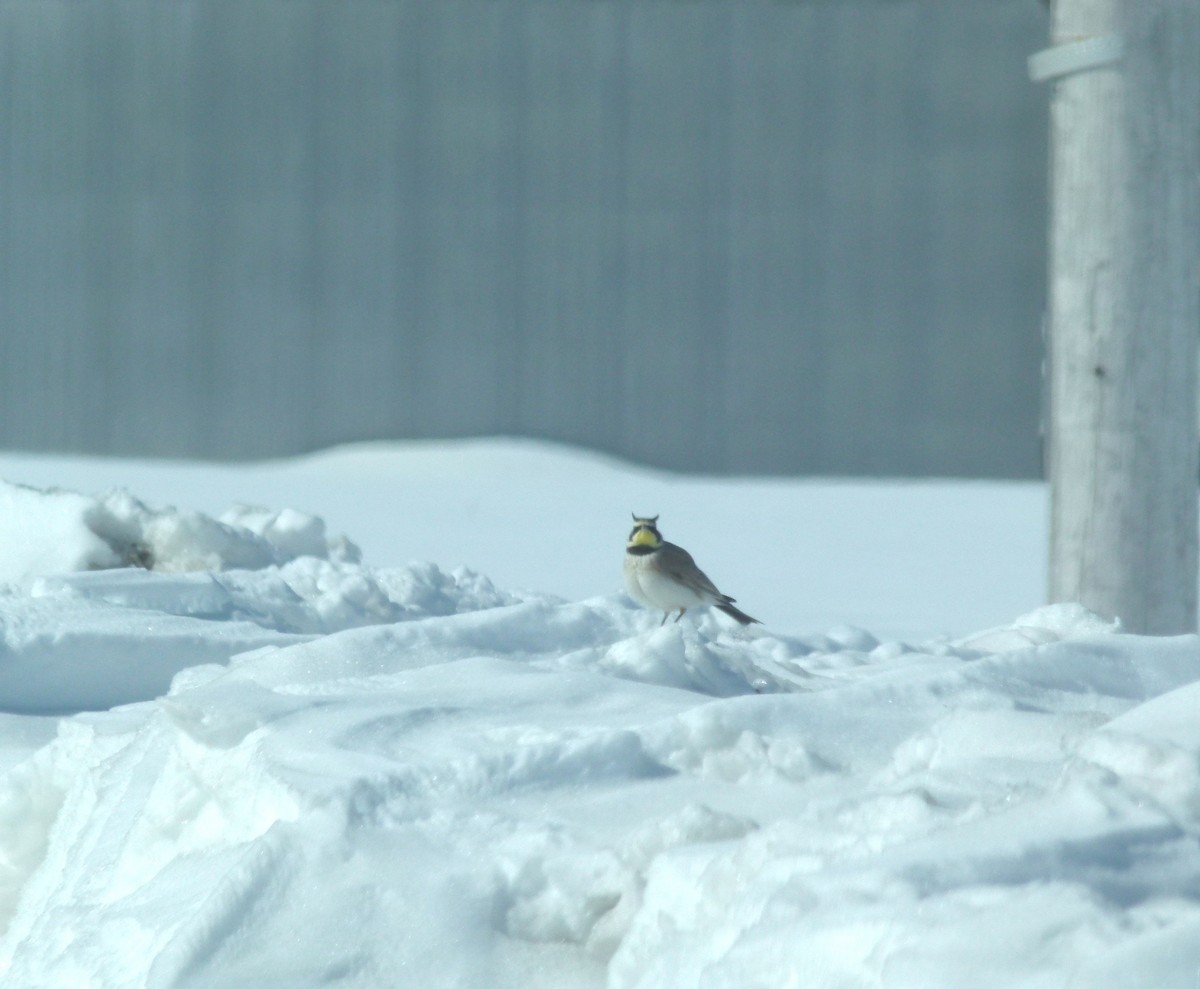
x: 1076, y: 56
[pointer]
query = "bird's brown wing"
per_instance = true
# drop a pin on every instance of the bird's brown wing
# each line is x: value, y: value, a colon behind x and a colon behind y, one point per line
x: 678, y: 562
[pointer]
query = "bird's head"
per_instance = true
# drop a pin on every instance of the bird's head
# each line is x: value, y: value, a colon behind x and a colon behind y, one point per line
x: 645, y: 533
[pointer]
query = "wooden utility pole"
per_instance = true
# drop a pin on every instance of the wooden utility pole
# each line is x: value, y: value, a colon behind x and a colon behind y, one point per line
x: 1124, y: 307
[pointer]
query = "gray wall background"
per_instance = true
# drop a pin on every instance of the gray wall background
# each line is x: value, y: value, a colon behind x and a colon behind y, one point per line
x: 782, y: 238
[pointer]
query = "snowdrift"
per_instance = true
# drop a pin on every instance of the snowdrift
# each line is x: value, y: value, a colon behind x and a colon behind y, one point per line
x: 280, y: 767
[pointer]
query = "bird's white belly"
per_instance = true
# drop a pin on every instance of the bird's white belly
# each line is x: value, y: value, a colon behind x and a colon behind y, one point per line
x: 655, y: 590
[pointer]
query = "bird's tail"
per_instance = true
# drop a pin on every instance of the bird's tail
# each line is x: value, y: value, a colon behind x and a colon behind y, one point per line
x: 737, y: 614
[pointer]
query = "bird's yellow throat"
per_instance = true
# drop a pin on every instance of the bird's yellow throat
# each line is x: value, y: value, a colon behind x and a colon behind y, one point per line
x: 644, y: 537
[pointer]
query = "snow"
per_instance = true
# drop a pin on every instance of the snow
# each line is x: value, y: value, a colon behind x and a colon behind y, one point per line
x: 260, y: 757
x: 905, y: 559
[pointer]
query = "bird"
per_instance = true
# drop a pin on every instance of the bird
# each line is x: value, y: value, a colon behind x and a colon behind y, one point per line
x: 662, y: 575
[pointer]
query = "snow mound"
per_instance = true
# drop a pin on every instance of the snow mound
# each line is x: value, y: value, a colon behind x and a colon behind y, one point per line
x: 1052, y: 623
x: 103, y: 600
x: 54, y: 531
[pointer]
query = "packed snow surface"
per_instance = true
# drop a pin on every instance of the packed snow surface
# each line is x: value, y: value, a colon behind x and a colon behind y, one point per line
x: 235, y: 753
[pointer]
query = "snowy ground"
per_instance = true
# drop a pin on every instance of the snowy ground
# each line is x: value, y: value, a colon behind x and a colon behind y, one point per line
x: 266, y: 761
x: 906, y: 559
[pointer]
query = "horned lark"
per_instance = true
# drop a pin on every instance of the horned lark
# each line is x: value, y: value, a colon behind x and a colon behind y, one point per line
x: 662, y: 575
